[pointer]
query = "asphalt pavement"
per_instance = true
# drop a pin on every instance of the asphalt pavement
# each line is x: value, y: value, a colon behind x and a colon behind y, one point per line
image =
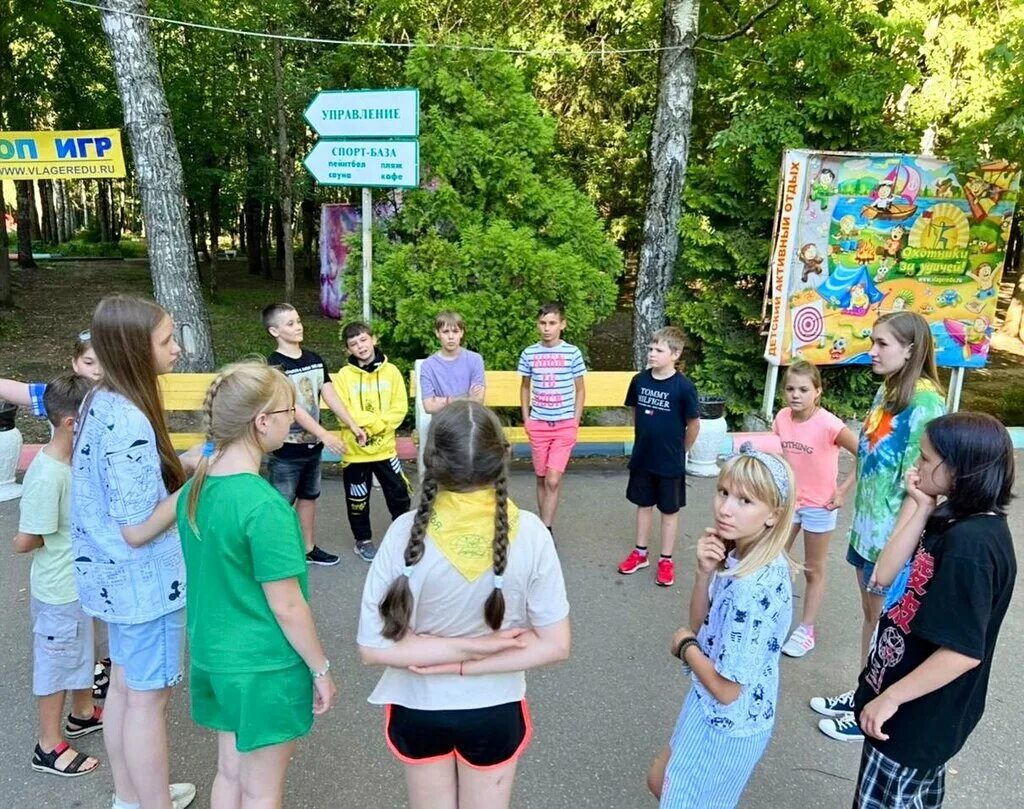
x: 598, y: 718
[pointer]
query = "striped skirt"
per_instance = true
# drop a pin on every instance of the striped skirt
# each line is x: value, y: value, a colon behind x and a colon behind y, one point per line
x: 707, y: 768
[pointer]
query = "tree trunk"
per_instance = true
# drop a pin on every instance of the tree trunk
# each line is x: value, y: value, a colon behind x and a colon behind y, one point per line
x: 49, y: 215
x: 265, y: 240
x: 103, y: 210
x: 1013, y: 322
x: 120, y: 212
x: 253, y: 215
x: 37, y: 231
x: 241, y: 231
x: 70, y: 212
x: 84, y: 200
x: 308, y: 234
x: 25, y: 260
x: 214, y: 232
x: 277, y: 220
x: 6, y: 296
x: 670, y: 146
x: 59, y: 212
x: 285, y: 164
x: 158, y: 168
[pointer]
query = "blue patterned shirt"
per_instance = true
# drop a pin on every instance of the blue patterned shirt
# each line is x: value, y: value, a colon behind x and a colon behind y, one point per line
x: 35, y: 397
x: 743, y: 635
x: 115, y: 481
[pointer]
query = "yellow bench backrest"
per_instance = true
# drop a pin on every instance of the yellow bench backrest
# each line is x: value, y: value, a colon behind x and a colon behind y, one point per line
x: 604, y: 388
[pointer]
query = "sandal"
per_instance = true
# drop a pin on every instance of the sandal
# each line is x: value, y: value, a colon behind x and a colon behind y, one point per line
x: 100, y: 681
x: 75, y: 728
x: 47, y: 762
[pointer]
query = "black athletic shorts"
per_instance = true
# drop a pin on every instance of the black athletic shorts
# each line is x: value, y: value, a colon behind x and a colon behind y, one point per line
x: 479, y: 737
x: 646, y: 489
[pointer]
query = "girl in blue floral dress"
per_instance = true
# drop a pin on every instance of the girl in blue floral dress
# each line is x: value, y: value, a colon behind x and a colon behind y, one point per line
x: 742, y: 602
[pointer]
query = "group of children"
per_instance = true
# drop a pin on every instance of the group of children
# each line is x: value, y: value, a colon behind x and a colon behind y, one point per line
x: 466, y: 593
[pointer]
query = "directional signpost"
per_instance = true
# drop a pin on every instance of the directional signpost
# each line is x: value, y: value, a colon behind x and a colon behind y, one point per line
x: 368, y: 139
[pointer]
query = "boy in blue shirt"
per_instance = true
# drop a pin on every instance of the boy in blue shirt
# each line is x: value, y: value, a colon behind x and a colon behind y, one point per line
x: 665, y: 422
x: 552, y: 394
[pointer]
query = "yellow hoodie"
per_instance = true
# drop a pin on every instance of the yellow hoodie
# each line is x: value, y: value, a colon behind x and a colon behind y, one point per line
x: 378, y: 401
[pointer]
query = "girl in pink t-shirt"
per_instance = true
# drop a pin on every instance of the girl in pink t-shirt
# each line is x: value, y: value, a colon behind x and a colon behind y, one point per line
x: 811, y: 438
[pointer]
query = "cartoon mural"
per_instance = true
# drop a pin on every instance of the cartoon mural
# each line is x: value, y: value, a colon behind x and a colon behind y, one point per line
x: 859, y: 235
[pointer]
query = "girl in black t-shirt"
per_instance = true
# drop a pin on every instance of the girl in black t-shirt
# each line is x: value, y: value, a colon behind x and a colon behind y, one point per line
x: 923, y: 689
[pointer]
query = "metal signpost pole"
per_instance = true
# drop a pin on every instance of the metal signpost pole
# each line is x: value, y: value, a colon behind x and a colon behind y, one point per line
x: 367, y: 251
x: 368, y: 139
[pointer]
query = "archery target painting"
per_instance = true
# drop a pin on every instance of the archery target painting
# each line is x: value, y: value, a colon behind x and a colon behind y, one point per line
x: 808, y: 325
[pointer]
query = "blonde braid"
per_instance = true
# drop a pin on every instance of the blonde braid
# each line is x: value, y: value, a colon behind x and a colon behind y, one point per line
x: 203, y: 467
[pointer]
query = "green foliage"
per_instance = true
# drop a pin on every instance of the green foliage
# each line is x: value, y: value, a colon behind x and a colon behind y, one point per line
x: 82, y: 247
x: 498, y: 229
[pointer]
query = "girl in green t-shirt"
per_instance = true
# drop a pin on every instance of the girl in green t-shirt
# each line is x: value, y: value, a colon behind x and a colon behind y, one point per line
x: 258, y: 671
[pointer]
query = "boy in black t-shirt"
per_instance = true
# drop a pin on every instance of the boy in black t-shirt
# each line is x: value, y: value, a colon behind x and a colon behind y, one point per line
x: 665, y: 423
x: 294, y: 469
x: 923, y: 689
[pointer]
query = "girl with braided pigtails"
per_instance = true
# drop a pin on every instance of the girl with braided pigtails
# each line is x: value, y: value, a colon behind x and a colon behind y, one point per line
x: 258, y: 672
x: 465, y: 594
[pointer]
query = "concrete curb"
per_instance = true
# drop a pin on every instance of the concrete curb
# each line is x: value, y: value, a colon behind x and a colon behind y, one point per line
x: 407, y: 447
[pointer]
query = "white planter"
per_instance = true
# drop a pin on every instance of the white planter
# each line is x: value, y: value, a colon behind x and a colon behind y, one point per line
x: 702, y: 459
x: 10, y: 451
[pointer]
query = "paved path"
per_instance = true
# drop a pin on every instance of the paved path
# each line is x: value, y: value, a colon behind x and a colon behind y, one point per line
x: 598, y: 718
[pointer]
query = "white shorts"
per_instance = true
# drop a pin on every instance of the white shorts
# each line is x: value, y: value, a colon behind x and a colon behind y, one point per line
x: 816, y: 520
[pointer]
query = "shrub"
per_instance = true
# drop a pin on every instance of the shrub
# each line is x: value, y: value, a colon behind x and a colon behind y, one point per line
x: 495, y: 231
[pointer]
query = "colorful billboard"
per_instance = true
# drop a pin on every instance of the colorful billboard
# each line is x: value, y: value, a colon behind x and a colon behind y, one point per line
x: 859, y: 235
x: 79, y: 155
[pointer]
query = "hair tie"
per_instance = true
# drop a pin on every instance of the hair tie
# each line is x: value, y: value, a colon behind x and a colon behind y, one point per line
x: 407, y: 571
x: 208, y: 449
x: 499, y: 581
x: 775, y: 465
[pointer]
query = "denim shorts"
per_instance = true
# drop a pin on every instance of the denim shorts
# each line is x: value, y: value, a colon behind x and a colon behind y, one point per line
x: 152, y: 654
x: 866, y: 569
x: 62, y: 648
x: 295, y: 478
x: 816, y: 520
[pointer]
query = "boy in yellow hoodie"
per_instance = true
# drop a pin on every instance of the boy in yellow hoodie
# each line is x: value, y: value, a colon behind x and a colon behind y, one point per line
x: 373, y: 392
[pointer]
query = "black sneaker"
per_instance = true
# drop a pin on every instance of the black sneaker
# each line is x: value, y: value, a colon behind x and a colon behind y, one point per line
x: 318, y: 556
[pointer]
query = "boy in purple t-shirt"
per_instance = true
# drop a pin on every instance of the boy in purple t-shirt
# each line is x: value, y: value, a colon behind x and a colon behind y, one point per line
x: 453, y: 372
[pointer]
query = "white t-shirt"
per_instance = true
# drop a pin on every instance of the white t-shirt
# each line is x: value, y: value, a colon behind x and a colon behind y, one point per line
x: 446, y: 604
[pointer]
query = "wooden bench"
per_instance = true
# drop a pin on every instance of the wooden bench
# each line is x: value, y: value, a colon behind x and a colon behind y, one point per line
x: 604, y: 389
x: 184, y: 393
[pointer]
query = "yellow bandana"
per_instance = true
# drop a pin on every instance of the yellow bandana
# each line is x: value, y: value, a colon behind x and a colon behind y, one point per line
x: 462, y: 527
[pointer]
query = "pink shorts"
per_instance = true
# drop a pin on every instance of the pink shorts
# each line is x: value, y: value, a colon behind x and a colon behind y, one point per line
x: 551, y: 444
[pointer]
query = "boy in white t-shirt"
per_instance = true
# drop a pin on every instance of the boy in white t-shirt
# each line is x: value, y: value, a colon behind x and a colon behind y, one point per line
x: 62, y: 632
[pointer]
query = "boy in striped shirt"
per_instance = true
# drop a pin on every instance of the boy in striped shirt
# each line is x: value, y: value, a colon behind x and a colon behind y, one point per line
x: 552, y: 395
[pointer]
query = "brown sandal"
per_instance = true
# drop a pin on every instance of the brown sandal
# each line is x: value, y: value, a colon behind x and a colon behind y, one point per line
x: 47, y: 762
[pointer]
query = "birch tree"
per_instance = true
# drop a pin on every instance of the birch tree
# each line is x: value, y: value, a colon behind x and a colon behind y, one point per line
x: 670, y: 150
x: 158, y: 169
x: 670, y: 147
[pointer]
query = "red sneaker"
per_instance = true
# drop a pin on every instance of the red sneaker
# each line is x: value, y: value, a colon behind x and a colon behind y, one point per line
x: 633, y: 562
x: 666, y: 573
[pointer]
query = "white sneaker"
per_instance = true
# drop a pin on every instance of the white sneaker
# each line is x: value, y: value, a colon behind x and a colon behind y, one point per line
x: 800, y: 642
x: 843, y: 728
x: 182, y: 796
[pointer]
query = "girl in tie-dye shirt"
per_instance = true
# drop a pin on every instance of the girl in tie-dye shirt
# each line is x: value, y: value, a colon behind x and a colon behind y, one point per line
x: 902, y: 351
